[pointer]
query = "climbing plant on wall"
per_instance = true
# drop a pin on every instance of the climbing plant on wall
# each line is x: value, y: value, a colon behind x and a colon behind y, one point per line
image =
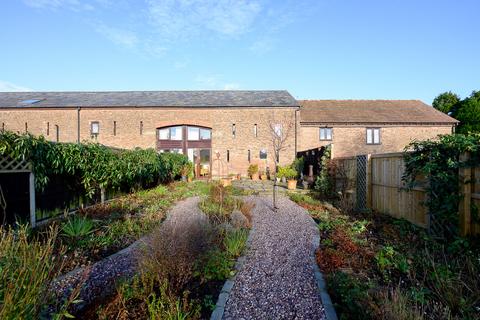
x: 439, y: 161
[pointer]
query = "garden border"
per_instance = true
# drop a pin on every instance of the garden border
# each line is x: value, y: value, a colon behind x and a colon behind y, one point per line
x: 219, y: 310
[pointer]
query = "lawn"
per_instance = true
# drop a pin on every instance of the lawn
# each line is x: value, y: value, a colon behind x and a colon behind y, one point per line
x: 384, y: 268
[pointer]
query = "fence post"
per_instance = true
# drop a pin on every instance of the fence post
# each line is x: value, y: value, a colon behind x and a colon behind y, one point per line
x: 369, y: 181
x: 102, y: 195
x: 464, y: 208
x: 31, y: 191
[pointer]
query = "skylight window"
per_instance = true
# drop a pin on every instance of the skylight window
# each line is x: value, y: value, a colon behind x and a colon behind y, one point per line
x: 30, y: 101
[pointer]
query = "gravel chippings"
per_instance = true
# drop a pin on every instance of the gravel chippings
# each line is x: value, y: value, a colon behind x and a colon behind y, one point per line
x: 277, y: 280
x: 101, y: 277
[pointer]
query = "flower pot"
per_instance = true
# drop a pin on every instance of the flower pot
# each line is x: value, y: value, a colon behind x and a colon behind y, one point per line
x: 189, y: 179
x: 239, y: 176
x: 255, y: 176
x: 226, y: 182
x: 292, y: 184
x: 263, y: 177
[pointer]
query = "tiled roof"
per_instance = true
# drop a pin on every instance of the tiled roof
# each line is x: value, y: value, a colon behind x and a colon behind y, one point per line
x: 370, y: 111
x: 226, y: 98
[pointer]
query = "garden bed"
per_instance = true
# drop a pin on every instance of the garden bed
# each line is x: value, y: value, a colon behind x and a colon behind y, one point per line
x: 101, y: 230
x: 384, y: 268
x: 185, y: 263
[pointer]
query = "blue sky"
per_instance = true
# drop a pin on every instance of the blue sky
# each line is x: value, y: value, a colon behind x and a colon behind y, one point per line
x: 324, y: 49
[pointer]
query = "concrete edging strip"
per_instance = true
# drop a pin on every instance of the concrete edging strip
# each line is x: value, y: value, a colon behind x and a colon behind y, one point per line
x: 330, y: 313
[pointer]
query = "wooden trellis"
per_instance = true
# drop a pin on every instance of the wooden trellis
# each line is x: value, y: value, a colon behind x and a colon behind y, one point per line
x: 9, y: 165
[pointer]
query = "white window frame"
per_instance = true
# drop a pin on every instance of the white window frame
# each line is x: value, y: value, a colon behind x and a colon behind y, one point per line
x: 94, y: 124
x: 373, y: 136
x: 325, y: 131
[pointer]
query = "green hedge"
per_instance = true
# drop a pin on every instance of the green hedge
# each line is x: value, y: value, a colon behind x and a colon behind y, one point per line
x: 90, y: 165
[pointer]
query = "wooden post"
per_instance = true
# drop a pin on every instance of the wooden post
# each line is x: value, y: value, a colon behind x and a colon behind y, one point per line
x: 102, y: 195
x: 31, y: 185
x: 369, y: 181
x: 464, y: 208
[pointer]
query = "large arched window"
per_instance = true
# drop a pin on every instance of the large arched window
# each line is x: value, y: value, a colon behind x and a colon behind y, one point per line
x: 192, y: 141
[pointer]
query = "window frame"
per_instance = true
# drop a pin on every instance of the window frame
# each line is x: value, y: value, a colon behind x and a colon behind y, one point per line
x: 326, y: 136
x: 188, y: 133
x: 92, y: 124
x: 373, y: 129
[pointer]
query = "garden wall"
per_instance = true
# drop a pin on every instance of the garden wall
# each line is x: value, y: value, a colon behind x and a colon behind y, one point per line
x: 381, y: 188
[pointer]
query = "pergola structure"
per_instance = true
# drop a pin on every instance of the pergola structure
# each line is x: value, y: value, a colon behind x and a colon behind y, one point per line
x: 9, y: 165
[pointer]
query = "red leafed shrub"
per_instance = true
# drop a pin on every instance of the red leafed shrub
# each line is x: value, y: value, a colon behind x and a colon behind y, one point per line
x: 329, y: 259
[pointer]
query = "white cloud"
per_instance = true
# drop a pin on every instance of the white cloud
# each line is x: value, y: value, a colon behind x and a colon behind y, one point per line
x: 58, y: 4
x: 177, y: 19
x: 121, y: 37
x: 11, y: 87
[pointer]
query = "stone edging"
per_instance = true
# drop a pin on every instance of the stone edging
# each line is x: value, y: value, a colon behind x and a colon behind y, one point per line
x: 330, y: 313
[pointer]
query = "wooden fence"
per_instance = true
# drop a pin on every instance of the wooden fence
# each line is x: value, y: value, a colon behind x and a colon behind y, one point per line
x: 386, y: 193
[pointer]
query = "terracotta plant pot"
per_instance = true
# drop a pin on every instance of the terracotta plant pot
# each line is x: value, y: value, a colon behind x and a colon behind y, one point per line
x: 189, y: 179
x: 292, y: 184
x: 263, y: 177
x: 226, y: 182
x: 255, y: 176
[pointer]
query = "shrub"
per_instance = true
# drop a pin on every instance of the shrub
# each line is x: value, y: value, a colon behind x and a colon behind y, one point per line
x: 252, y: 169
x: 27, y: 268
x: 172, y: 252
x: 287, y: 173
x: 349, y: 295
x: 215, y: 265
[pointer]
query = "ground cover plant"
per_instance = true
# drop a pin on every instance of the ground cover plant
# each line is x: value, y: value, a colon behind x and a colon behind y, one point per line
x: 384, y: 268
x: 184, y: 265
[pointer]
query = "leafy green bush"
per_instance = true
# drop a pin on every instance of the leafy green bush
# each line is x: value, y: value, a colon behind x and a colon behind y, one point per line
x: 215, y: 265
x: 287, y: 173
x: 92, y: 166
x: 349, y: 294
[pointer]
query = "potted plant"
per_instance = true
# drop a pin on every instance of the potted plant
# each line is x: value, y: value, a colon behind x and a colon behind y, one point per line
x: 290, y: 175
x: 253, y: 171
x: 186, y: 170
x: 263, y: 175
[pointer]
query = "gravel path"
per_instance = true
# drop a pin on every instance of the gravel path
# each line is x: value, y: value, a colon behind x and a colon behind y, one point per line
x: 101, y: 277
x: 277, y: 279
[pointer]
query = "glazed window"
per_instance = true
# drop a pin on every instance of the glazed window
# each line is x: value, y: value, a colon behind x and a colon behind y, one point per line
x: 249, y: 156
x: 176, y: 133
x: 255, y: 130
x: 326, y: 133
x: 263, y: 154
x: 193, y: 133
x: 164, y: 134
x: 114, y: 128
x: 205, y: 134
x: 277, y: 128
x: 373, y: 135
x: 94, y: 128
x: 141, y: 127
x: 234, y: 130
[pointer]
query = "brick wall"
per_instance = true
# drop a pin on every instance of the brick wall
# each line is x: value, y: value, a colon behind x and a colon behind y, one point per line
x: 351, y: 140
x: 128, y: 129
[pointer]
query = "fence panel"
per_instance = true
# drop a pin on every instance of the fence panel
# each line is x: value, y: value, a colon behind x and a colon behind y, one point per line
x: 388, y: 190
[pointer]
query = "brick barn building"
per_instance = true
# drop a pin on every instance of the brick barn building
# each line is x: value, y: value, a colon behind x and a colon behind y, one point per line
x: 222, y: 132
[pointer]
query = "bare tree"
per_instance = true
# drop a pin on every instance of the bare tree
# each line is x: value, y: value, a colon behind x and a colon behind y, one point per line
x: 280, y: 129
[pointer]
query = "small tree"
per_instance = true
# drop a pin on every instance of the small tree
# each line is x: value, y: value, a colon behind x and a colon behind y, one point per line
x: 280, y: 129
x: 446, y: 102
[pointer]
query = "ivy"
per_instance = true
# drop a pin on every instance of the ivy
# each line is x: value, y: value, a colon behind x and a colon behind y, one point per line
x: 91, y: 165
x: 324, y: 182
x: 439, y: 161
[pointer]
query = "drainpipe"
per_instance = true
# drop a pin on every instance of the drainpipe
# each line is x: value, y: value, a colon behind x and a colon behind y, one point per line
x: 78, y: 124
x: 296, y: 133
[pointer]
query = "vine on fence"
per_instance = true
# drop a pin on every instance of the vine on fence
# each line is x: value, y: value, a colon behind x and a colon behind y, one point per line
x: 90, y: 165
x: 439, y: 161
